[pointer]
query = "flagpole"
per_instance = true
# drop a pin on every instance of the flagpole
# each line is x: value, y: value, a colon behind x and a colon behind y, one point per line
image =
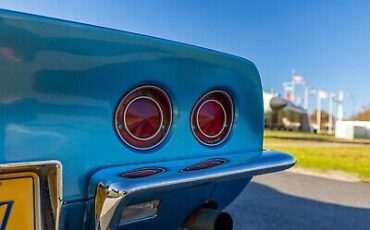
x: 340, y: 105
x: 293, y: 86
x: 318, y: 111
x: 306, y: 89
x: 330, y: 130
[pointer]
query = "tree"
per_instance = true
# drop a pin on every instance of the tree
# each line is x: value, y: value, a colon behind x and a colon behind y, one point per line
x: 363, y: 115
x: 324, y: 118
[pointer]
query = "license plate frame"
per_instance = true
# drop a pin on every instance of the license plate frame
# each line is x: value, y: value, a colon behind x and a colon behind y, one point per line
x: 46, y: 177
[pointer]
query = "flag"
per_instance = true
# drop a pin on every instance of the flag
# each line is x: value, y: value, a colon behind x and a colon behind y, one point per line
x: 322, y: 94
x: 297, y: 79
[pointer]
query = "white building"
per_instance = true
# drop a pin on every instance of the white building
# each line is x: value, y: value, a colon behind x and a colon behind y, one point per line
x: 352, y: 129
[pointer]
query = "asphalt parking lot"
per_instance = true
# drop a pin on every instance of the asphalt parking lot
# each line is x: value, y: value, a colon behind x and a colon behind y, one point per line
x: 295, y: 201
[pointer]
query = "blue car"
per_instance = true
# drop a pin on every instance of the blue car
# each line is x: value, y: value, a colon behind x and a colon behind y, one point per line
x: 105, y: 129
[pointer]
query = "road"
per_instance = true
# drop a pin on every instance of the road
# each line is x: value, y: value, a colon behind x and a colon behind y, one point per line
x: 295, y: 201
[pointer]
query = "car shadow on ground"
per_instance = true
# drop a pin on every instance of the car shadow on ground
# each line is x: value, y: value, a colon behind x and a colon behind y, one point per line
x: 262, y: 207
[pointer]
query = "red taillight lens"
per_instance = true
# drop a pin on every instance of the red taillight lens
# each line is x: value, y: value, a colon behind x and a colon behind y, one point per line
x: 143, y: 117
x: 212, y: 117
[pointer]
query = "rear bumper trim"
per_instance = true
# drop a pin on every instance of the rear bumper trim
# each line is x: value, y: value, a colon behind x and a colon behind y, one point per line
x: 115, y: 193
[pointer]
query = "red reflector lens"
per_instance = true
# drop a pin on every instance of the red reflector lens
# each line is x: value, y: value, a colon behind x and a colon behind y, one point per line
x: 204, y: 165
x: 140, y: 173
x: 143, y: 118
x: 211, y: 118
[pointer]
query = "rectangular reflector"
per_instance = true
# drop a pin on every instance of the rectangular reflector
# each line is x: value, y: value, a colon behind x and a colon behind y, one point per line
x: 140, y: 211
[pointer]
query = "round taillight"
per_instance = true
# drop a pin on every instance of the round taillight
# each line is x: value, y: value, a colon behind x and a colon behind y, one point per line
x: 143, y: 117
x: 212, y: 117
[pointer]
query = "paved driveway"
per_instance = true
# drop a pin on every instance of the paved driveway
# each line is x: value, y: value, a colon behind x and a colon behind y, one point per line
x: 295, y: 201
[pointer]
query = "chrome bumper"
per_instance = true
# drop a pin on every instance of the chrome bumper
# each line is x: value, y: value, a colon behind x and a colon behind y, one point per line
x: 114, y: 192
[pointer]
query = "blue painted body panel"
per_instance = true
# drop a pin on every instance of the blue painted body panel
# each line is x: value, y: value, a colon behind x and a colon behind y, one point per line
x: 60, y: 83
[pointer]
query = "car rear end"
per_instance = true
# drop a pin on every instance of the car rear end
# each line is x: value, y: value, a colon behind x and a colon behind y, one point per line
x: 116, y: 130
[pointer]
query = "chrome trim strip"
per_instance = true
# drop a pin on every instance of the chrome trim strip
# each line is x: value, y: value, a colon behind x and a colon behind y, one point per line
x: 112, y: 196
x: 51, y: 192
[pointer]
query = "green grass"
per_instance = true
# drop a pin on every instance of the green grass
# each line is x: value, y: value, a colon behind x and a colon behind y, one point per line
x: 311, y: 137
x: 323, y: 153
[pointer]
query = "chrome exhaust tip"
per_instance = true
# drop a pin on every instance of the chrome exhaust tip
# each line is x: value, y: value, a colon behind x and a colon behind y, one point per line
x: 209, y: 219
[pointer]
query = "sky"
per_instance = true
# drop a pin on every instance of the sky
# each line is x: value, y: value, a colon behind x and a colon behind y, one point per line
x: 325, y: 41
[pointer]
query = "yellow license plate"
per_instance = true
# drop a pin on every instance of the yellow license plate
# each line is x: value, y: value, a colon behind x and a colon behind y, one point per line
x: 19, y: 201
